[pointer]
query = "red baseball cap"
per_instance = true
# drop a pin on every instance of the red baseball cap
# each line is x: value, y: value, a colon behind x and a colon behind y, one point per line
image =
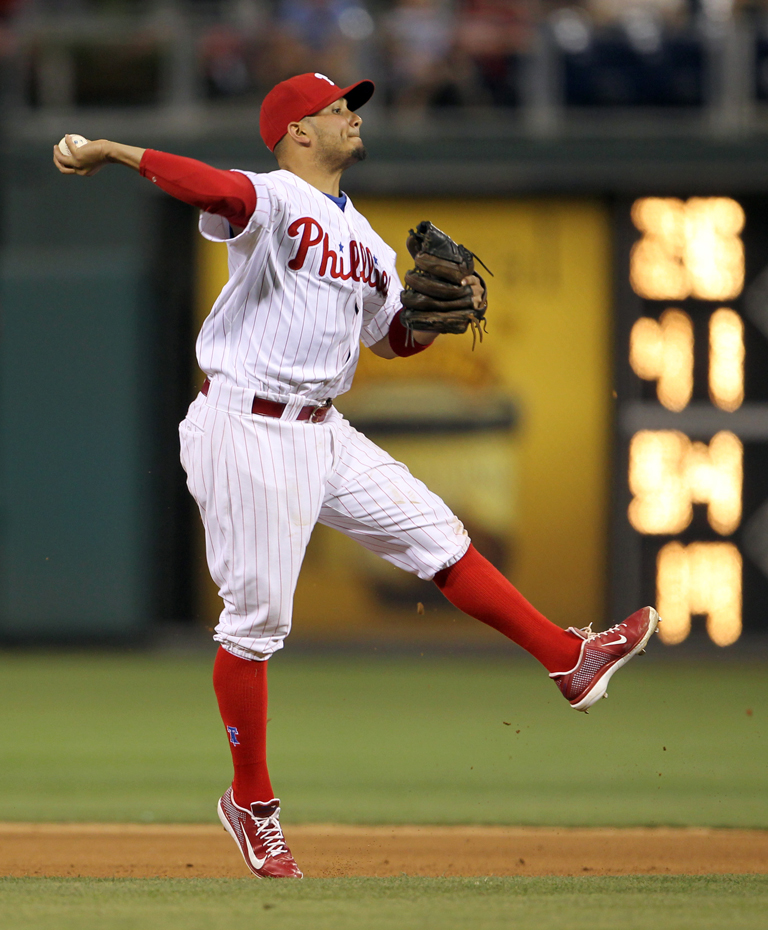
x: 300, y: 96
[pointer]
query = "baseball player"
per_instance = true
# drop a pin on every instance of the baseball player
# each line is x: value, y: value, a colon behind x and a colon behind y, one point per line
x: 267, y: 455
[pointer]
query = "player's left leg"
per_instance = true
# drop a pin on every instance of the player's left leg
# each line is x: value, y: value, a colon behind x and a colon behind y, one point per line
x: 376, y: 501
x: 581, y: 662
x: 479, y: 589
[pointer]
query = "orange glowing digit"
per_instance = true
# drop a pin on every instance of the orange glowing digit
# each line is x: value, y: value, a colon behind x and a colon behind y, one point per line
x: 702, y: 578
x: 688, y: 249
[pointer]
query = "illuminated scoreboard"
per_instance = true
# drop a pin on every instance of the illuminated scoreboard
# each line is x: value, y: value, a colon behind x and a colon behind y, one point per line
x: 690, y: 508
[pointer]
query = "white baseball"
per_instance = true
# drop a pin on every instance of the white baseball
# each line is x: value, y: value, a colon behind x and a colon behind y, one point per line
x: 76, y: 139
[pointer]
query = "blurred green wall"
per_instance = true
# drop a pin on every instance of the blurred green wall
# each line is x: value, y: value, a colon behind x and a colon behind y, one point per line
x: 74, y: 559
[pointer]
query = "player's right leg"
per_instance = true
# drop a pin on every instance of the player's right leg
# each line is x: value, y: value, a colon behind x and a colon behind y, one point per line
x: 258, y: 483
x: 253, y: 823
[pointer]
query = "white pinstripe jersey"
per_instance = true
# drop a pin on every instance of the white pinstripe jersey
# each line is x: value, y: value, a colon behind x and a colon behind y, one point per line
x: 307, y: 283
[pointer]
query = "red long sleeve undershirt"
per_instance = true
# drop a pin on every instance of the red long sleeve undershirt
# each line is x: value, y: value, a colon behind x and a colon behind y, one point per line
x: 401, y: 339
x: 230, y: 194
x: 227, y: 193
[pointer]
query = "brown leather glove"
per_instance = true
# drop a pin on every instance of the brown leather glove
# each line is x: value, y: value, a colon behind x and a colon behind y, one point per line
x: 434, y: 298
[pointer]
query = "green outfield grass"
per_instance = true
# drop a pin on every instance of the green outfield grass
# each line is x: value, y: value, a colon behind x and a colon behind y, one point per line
x: 643, y: 903
x: 359, y: 739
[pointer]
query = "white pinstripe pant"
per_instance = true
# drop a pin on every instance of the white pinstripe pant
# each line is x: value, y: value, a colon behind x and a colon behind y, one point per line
x: 262, y: 484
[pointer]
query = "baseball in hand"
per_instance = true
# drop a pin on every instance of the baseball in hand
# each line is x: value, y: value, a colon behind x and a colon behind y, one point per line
x: 76, y: 139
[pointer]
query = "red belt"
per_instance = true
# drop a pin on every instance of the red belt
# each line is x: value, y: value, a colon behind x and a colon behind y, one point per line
x: 271, y: 408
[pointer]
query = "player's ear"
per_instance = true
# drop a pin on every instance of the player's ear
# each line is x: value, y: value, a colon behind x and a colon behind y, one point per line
x: 298, y: 132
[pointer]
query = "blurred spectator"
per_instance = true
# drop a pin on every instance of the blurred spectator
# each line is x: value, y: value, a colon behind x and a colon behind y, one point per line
x: 758, y: 12
x: 225, y: 55
x: 630, y: 53
x: 614, y: 11
x: 320, y: 35
x: 419, y: 40
x: 495, y: 35
x: 8, y: 45
x: 233, y: 51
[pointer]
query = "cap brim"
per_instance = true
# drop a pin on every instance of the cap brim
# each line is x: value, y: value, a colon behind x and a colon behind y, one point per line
x: 355, y: 95
x: 358, y: 94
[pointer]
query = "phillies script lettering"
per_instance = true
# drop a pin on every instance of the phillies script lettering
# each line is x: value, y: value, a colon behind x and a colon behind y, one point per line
x: 362, y: 264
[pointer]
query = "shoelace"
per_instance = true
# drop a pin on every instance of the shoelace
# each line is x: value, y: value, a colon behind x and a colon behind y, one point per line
x: 584, y: 632
x: 587, y: 634
x: 270, y: 832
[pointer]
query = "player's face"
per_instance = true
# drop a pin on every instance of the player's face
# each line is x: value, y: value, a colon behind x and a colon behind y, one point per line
x: 337, y: 134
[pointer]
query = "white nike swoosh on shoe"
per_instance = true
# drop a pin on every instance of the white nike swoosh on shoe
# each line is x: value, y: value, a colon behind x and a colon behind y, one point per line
x: 617, y: 642
x: 257, y: 863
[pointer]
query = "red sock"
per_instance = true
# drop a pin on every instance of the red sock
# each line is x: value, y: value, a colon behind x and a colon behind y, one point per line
x: 241, y: 690
x: 473, y: 585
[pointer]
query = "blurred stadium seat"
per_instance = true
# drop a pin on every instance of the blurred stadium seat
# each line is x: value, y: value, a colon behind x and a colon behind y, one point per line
x: 426, y: 55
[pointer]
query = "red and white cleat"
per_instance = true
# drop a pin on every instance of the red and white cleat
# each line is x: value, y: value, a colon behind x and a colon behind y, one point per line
x: 260, y: 837
x: 601, y: 655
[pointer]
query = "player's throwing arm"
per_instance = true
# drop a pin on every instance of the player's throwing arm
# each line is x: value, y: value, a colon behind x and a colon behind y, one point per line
x: 76, y: 155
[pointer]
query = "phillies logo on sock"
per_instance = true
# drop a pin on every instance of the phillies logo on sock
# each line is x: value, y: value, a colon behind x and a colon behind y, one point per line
x: 233, y: 736
x: 362, y: 263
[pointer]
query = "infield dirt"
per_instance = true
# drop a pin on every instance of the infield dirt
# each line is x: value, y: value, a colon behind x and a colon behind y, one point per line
x: 331, y: 851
